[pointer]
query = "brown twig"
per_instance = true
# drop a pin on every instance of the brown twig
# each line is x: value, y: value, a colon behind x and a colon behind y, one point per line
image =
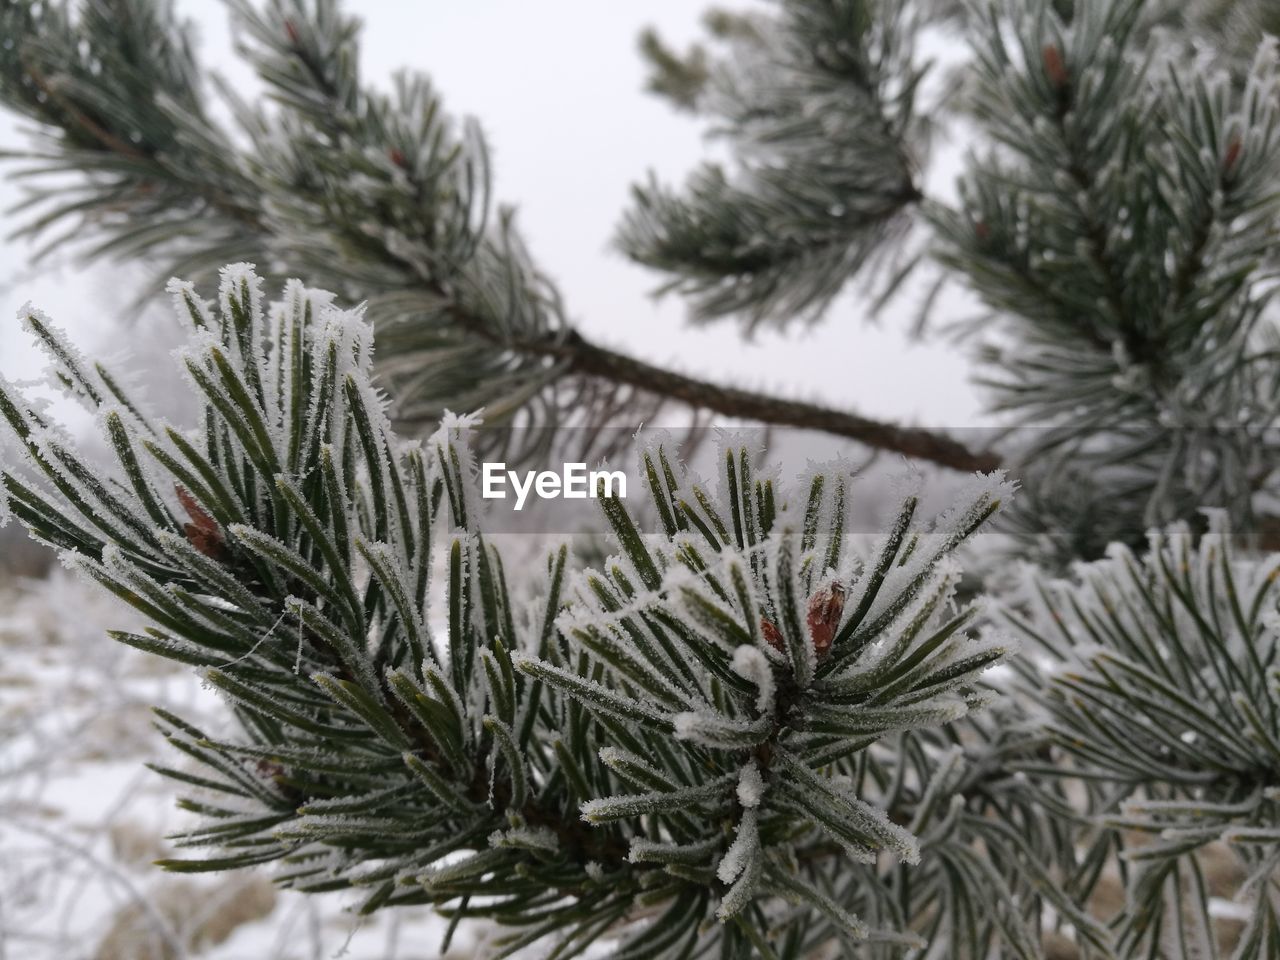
x: 915, y: 442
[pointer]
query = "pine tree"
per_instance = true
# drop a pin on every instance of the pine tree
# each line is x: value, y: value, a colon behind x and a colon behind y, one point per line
x: 747, y: 732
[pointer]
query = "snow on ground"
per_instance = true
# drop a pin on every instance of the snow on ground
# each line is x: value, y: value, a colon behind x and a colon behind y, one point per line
x: 81, y: 818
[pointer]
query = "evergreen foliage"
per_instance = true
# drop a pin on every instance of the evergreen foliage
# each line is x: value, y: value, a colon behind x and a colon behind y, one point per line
x: 1159, y: 686
x: 1115, y: 219
x: 384, y: 196
x: 750, y: 732
x: 1122, y: 232
x: 820, y: 110
x: 699, y: 727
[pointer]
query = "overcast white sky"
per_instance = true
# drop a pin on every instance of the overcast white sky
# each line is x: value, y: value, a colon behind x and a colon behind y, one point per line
x: 558, y: 88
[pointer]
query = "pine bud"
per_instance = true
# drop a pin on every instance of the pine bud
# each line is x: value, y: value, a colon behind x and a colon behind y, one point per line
x: 825, y: 609
x: 1232, y: 155
x: 202, y: 531
x: 397, y: 157
x: 1054, y: 66
x: 772, y: 636
x: 982, y: 231
x: 291, y: 32
x: 269, y: 770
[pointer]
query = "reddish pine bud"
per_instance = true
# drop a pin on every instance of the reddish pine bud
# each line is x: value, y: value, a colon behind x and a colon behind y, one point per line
x: 825, y: 609
x: 1054, y: 66
x: 982, y: 231
x: 1232, y: 154
x: 396, y: 157
x: 291, y: 32
x: 269, y: 769
x: 210, y: 544
x: 772, y: 636
x: 202, y: 532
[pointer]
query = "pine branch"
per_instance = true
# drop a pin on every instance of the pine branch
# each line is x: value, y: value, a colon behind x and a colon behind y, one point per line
x: 690, y: 727
x: 912, y: 442
x: 818, y: 104
x: 465, y: 320
x: 1121, y: 235
x: 1160, y: 685
x: 749, y: 734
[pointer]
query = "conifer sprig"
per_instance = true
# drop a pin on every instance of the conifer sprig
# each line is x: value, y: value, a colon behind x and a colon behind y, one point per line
x: 382, y: 196
x: 1120, y: 227
x: 819, y: 105
x: 1161, y: 691
x: 695, y: 727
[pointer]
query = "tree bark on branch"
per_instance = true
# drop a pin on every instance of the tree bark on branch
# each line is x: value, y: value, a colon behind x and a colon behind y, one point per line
x: 915, y: 442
